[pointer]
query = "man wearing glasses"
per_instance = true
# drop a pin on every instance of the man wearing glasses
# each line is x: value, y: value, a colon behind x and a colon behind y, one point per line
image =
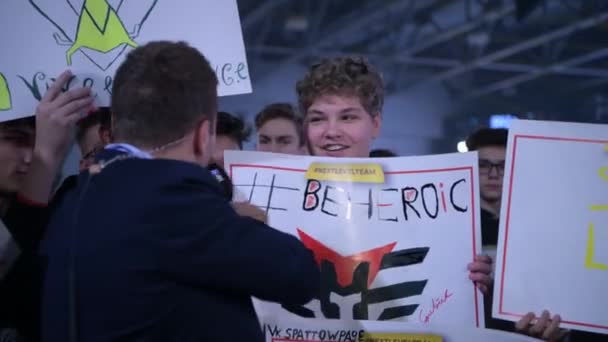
x: 491, y: 145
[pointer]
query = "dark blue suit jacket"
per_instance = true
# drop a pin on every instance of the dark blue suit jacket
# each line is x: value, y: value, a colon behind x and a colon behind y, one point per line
x: 160, y: 255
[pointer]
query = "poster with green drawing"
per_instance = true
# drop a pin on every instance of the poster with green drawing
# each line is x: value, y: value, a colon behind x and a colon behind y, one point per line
x: 42, y: 38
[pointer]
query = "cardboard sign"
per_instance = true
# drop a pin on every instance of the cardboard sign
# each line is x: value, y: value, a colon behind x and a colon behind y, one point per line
x: 392, y: 237
x: 42, y: 38
x: 553, y: 241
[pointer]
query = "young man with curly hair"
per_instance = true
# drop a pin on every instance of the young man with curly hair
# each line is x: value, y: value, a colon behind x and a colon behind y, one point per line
x: 342, y: 100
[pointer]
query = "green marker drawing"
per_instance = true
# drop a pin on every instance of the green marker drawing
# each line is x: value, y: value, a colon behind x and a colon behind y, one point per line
x: 5, y: 94
x: 99, y: 28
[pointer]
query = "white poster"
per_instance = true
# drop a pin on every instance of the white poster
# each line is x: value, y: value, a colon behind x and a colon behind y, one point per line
x: 553, y: 241
x: 42, y: 38
x: 392, y: 236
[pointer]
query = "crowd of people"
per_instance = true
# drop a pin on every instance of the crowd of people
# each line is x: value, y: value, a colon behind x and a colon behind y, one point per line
x: 148, y: 242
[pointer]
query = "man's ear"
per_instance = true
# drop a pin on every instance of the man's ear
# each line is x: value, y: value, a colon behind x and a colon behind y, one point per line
x: 203, y: 138
x: 377, y: 125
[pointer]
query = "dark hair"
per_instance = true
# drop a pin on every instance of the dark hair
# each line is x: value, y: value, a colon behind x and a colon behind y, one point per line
x: 380, y: 153
x: 280, y: 111
x: 21, y: 123
x: 100, y: 117
x: 232, y: 126
x: 161, y: 92
x: 487, y: 137
x: 342, y: 76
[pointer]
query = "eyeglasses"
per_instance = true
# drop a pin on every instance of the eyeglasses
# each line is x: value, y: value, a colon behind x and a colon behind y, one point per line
x: 486, y: 166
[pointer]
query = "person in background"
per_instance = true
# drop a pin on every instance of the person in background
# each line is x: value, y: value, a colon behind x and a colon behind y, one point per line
x: 16, y: 149
x: 382, y: 153
x: 92, y: 134
x: 279, y: 130
x: 174, y: 261
x: 231, y: 134
x: 32, y: 150
x: 491, y: 147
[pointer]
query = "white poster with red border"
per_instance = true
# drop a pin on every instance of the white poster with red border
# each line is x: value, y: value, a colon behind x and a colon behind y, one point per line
x: 553, y: 241
x: 392, y: 236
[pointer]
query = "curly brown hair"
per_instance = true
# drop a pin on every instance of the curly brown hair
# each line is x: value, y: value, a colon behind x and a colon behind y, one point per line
x: 343, y: 76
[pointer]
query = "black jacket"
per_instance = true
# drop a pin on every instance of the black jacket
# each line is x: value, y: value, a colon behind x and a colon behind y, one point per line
x: 160, y: 255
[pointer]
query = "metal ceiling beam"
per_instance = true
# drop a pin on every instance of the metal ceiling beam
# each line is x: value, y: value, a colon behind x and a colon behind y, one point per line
x: 511, y: 82
x: 359, y: 20
x: 468, y: 26
x: 514, y: 49
x: 449, y: 63
x: 260, y: 13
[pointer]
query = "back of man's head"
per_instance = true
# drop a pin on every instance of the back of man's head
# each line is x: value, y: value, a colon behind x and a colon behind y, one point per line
x: 485, y: 137
x: 162, y: 92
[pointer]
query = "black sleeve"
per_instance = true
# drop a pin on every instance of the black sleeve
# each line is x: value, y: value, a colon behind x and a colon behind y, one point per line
x: 227, y: 252
x: 27, y: 222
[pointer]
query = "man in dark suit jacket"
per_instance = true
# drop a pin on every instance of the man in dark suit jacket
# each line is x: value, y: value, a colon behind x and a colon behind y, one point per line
x: 145, y: 247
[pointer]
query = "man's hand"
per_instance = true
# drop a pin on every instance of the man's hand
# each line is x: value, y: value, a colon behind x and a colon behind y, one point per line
x: 250, y: 210
x: 480, y: 272
x: 57, y: 115
x: 56, y: 118
x: 545, y: 327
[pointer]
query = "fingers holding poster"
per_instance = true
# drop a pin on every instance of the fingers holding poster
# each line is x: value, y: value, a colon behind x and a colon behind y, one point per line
x: 389, y: 250
x: 552, y: 251
x: 92, y: 37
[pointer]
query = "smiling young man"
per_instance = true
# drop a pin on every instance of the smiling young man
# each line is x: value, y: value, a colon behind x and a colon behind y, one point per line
x: 342, y: 100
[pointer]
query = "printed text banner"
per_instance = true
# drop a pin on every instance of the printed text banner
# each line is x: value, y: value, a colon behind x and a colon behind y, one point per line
x: 42, y: 38
x: 393, y: 244
x: 553, y: 243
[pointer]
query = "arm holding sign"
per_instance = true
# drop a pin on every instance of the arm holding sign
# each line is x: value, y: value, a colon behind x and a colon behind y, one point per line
x: 480, y: 271
x: 237, y: 254
x: 56, y: 118
x: 250, y: 210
